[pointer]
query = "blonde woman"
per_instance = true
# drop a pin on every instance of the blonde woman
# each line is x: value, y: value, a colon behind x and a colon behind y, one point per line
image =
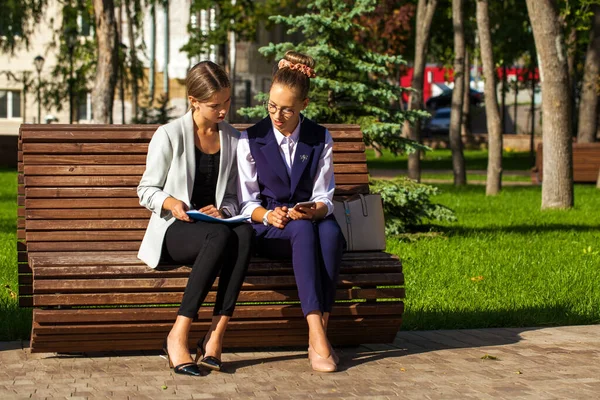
x: 191, y: 164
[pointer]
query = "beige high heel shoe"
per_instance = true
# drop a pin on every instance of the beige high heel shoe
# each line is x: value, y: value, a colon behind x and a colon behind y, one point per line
x: 320, y: 364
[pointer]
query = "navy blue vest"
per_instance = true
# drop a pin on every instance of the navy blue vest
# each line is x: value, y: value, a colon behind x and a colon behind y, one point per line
x: 277, y: 188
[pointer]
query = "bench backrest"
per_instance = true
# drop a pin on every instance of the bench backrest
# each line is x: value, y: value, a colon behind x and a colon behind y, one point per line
x: 77, y: 187
x: 586, y: 162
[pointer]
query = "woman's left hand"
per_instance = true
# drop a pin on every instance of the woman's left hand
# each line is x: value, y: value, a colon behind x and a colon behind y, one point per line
x: 212, y: 211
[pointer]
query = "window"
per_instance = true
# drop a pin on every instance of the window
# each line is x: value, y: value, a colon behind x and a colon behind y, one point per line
x: 84, y: 25
x: 84, y: 109
x: 10, y: 104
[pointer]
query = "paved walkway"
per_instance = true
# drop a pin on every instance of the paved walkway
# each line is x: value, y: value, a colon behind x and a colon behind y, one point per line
x: 537, y: 363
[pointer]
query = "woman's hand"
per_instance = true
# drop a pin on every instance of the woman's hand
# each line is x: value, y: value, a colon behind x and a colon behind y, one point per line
x: 315, y: 213
x: 177, y: 208
x: 278, y: 217
x: 212, y: 211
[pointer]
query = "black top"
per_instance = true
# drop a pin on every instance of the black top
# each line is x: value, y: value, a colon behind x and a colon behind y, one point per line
x: 205, y: 183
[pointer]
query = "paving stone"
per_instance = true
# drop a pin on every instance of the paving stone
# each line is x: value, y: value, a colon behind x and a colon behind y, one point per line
x: 532, y: 363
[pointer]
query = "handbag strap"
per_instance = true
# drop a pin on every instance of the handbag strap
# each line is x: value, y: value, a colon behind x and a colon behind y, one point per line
x: 348, y: 223
x: 363, y: 203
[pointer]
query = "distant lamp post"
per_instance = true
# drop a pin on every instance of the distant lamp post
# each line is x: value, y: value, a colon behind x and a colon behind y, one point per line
x: 71, y: 40
x: 123, y: 50
x: 39, y: 64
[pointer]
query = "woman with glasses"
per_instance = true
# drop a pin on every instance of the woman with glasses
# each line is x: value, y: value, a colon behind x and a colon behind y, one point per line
x: 285, y: 160
x: 191, y: 164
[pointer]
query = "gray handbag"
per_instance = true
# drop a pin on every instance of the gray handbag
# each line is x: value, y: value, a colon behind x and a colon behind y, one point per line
x: 362, y: 222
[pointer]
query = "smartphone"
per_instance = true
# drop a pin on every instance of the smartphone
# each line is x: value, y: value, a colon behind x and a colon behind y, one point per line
x: 307, y: 204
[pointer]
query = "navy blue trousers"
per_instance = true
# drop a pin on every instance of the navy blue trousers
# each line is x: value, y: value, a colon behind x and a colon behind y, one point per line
x: 316, y: 251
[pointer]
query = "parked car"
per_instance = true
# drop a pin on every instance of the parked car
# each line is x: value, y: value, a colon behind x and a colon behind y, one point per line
x: 439, y: 123
x: 445, y: 99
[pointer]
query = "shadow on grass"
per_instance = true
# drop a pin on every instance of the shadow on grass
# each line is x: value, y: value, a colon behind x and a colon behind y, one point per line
x: 519, y: 229
x: 8, y: 225
x: 16, y: 323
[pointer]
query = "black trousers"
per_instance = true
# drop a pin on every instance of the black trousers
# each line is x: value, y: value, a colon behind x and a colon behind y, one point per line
x: 209, y: 247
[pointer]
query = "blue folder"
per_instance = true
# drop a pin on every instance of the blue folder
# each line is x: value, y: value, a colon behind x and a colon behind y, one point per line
x: 198, y: 216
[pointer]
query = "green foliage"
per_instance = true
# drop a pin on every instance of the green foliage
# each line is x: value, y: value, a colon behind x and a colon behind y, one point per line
x: 239, y: 18
x: 149, y: 114
x: 353, y: 85
x: 18, y: 20
x: 71, y: 48
x: 407, y: 204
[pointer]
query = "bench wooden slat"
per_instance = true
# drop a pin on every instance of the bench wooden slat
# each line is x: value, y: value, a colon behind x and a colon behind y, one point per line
x: 130, y: 257
x: 79, y: 203
x: 138, y: 170
x: 139, y: 159
x: 88, y: 235
x: 281, y: 337
x: 134, y: 148
x: 130, y: 192
x: 92, y: 213
x: 86, y: 224
x: 256, y: 267
x: 240, y: 327
x: 171, y: 298
x: 141, y: 133
x: 133, y: 180
x: 242, y: 312
x: 126, y: 285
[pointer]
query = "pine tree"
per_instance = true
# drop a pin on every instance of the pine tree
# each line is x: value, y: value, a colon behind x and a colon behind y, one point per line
x: 354, y: 85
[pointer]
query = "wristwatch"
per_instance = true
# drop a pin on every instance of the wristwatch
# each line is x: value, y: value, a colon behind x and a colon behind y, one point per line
x: 265, y: 218
x: 225, y: 212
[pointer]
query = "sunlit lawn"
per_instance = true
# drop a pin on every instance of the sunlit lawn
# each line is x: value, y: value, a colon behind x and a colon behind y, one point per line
x: 15, y: 321
x: 442, y: 160
x: 505, y: 262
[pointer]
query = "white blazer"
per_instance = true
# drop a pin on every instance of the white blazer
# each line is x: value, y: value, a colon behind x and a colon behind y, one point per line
x: 170, y: 172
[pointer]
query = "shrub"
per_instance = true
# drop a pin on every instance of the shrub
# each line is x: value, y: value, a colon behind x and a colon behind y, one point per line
x: 407, y: 204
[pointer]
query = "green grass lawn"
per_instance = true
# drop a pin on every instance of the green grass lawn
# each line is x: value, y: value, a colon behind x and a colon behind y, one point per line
x: 442, y: 160
x: 480, y: 178
x: 505, y: 263
x: 16, y: 322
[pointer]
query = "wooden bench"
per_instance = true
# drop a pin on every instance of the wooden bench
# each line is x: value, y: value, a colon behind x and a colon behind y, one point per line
x: 80, y: 226
x: 586, y: 163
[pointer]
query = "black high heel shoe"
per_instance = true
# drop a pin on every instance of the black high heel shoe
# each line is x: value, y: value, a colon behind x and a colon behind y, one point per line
x: 185, y: 368
x: 209, y: 362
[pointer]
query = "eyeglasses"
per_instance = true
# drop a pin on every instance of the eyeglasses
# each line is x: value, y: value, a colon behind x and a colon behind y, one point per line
x: 272, y: 109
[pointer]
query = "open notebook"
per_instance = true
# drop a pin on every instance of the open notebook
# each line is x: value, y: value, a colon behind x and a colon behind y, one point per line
x: 197, y: 215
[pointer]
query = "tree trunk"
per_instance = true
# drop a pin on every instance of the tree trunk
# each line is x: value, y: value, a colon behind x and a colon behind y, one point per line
x: 557, y: 187
x: 466, y: 109
x: 494, y: 127
x: 458, y: 160
x: 107, y: 66
x: 425, y: 11
x: 134, y: 67
x: 588, y: 105
x: 571, y: 43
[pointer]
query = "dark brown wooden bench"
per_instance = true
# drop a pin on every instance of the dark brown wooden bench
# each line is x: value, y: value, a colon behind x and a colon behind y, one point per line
x: 586, y: 163
x: 80, y: 226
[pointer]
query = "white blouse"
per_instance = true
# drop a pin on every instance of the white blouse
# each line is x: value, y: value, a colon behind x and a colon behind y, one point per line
x: 249, y: 191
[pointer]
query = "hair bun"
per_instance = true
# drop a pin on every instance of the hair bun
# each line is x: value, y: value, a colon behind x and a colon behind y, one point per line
x: 298, y: 58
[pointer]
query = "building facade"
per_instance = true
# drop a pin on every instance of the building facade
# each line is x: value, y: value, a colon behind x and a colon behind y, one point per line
x: 165, y: 66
